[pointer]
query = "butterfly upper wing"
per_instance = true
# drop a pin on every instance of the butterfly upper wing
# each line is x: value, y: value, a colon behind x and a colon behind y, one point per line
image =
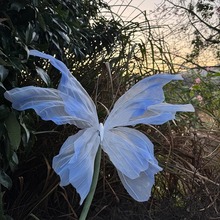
x: 75, y: 161
x: 70, y: 103
x: 137, y: 104
x: 76, y: 100
x: 162, y: 112
x: 47, y: 103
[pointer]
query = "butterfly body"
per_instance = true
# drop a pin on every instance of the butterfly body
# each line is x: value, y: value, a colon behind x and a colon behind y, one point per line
x: 101, y: 131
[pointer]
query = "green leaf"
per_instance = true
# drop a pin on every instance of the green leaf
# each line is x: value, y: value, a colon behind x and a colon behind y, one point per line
x: 29, y: 34
x: 14, y: 130
x: 7, y: 217
x: 44, y: 76
x: 5, y: 180
x: 3, y: 73
x: 16, y: 63
x: 2, y: 129
x: 42, y: 22
x: 27, y: 132
x: 17, y: 5
x: 4, y: 112
x: 14, y: 161
x: 64, y: 36
x: 3, y: 62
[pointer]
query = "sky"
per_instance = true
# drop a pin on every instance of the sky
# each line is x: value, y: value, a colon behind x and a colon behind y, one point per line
x: 143, y: 4
x: 147, y: 4
x: 119, y: 6
x: 179, y: 44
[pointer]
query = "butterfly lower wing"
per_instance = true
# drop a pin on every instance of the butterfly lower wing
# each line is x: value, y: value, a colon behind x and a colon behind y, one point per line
x: 140, y: 188
x: 132, y: 154
x: 75, y: 161
x: 129, y: 150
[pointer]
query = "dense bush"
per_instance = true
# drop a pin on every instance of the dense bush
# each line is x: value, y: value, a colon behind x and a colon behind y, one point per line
x: 77, y: 33
x: 191, y: 152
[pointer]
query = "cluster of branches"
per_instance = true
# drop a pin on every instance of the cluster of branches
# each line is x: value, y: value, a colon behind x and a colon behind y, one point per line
x: 204, y: 19
x: 192, y: 29
x: 81, y: 35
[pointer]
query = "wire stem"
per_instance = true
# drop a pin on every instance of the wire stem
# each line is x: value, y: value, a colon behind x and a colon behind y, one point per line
x: 90, y: 196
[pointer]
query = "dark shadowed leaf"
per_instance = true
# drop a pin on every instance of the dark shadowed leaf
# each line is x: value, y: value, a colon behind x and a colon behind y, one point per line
x: 17, y: 5
x: 5, y: 180
x: 4, y: 112
x: 14, y: 161
x: 29, y: 34
x: 2, y: 129
x: 14, y: 130
x: 3, y: 73
x: 44, y: 76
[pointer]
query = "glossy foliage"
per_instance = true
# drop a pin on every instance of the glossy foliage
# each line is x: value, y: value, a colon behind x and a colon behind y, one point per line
x: 59, y: 27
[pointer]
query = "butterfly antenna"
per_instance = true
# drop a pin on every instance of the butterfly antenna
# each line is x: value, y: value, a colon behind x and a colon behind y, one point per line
x: 96, y: 90
x: 107, y: 65
x: 104, y: 107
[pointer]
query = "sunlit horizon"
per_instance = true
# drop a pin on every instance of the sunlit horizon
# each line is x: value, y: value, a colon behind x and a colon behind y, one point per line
x: 163, y: 27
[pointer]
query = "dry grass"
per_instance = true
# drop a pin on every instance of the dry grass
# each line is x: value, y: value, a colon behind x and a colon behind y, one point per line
x: 187, y: 188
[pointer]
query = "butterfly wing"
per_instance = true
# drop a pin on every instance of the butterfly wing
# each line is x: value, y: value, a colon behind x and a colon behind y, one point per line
x: 132, y: 154
x: 75, y: 161
x: 46, y: 102
x: 70, y: 103
x: 137, y: 104
x: 76, y: 100
x: 140, y: 187
x: 131, y: 151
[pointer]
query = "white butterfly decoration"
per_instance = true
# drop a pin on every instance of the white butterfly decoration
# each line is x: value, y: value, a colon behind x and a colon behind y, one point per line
x: 130, y: 151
